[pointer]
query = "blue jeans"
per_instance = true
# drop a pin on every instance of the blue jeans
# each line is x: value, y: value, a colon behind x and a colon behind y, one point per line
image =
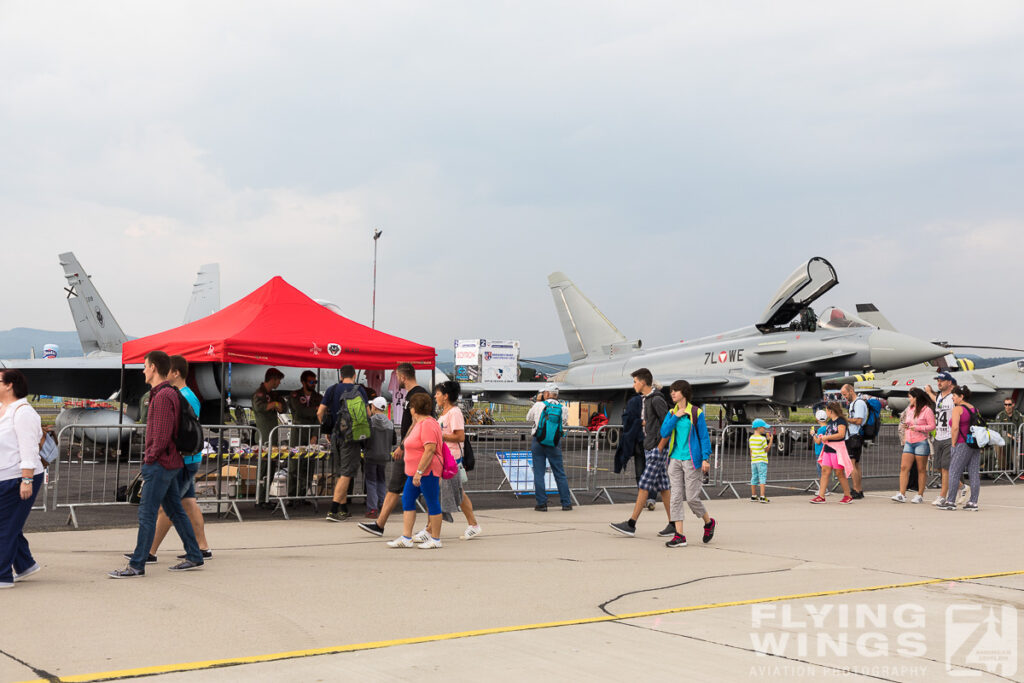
x: 14, y: 552
x: 549, y: 455
x: 161, y: 488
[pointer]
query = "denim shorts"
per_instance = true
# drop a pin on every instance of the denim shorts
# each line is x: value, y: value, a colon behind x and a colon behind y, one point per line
x: 920, y: 449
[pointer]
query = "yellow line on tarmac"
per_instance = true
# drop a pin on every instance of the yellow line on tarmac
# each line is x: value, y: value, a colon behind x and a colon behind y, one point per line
x: 295, y: 654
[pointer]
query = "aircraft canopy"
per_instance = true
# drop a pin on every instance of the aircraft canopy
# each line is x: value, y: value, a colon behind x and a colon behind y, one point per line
x: 834, y: 318
x: 279, y: 325
x: 807, y: 283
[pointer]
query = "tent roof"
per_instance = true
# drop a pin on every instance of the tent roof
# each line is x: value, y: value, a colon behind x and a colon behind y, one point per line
x: 279, y: 325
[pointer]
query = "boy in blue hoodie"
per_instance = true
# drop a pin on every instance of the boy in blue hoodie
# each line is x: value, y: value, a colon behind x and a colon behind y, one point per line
x: 689, y: 447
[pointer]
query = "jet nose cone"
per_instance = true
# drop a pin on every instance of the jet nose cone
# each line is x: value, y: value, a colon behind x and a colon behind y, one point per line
x: 892, y: 350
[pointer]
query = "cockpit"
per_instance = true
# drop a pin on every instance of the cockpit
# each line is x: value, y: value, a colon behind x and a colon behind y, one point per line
x: 790, y: 308
x: 1020, y: 366
x: 834, y: 318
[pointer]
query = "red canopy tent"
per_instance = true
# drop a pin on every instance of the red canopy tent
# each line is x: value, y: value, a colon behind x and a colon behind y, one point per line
x: 279, y: 325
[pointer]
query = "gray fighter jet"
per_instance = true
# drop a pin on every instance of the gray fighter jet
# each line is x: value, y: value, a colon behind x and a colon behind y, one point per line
x: 760, y: 370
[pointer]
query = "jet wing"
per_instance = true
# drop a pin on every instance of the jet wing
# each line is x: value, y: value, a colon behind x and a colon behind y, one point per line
x: 97, y: 378
x: 533, y: 388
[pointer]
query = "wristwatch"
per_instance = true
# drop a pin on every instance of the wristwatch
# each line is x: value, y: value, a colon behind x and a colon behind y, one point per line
x: 419, y: 472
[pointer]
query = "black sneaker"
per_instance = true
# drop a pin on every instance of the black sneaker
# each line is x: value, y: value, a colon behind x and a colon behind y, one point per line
x: 128, y: 572
x: 709, y: 530
x: 623, y: 528
x: 857, y: 495
x: 669, y: 530
x: 149, y: 560
x: 567, y: 507
x: 185, y: 566
x: 754, y: 499
x: 338, y: 516
x: 207, y: 555
x: 678, y: 541
x: 764, y: 500
x: 371, y: 528
x: 540, y: 508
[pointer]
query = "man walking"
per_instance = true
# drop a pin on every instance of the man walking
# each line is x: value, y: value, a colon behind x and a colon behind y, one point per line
x: 854, y: 436
x: 655, y: 474
x: 186, y: 479
x: 406, y: 375
x: 345, y: 450
x: 943, y: 434
x: 161, y: 467
x: 548, y: 453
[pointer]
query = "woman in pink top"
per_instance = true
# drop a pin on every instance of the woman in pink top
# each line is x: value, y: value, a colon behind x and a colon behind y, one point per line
x: 423, y: 468
x: 453, y: 428
x: 917, y: 422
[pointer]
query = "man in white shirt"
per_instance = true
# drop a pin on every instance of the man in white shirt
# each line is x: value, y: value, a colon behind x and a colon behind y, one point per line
x: 544, y: 455
x: 854, y: 438
x: 943, y: 435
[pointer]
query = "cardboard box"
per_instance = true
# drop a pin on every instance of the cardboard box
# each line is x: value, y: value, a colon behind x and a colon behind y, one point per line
x: 246, y: 473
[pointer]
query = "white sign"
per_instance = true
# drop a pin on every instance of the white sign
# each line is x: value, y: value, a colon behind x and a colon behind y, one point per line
x: 499, y: 360
x: 518, y: 467
x: 467, y: 360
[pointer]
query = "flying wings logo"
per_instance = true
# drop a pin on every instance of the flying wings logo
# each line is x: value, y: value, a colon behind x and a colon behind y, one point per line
x: 730, y: 356
x: 315, y: 349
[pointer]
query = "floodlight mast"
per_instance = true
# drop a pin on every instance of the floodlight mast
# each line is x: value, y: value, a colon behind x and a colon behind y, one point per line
x: 377, y: 232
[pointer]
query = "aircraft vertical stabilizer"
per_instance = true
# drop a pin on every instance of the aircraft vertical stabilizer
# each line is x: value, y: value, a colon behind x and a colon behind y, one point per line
x: 97, y: 329
x: 586, y: 329
x: 871, y: 314
x: 205, y: 293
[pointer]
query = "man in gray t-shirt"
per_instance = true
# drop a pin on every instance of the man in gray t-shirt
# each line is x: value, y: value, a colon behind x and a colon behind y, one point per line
x: 943, y: 436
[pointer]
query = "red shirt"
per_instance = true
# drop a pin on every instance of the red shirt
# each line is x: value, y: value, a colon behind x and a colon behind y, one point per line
x: 161, y: 424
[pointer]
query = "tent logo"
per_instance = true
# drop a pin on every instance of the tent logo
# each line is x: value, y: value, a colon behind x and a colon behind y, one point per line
x: 315, y: 350
x: 334, y: 349
x: 210, y: 351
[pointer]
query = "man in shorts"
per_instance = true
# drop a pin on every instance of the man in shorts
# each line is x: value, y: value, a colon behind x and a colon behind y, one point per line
x: 396, y: 481
x: 346, y: 454
x: 655, y: 476
x: 943, y: 447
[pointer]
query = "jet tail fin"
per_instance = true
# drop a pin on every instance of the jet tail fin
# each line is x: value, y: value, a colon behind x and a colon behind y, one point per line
x: 97, y: 329
x: 205, y: 293
x: 586, y: 329
x: 871, y: 314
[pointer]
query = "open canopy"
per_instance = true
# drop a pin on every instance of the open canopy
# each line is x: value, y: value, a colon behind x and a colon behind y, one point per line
x: 279, y: 325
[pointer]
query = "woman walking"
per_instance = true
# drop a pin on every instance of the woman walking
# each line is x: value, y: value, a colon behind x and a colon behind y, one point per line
x: 964, y: 457
x: 21, y: 476
x: 423, y: 468
x: 833, y: 453
x: 453, y: 431
x: 917, y: 422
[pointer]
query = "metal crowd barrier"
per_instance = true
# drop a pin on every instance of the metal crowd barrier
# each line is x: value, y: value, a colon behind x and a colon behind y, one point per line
x: 1003, y: 462
x: 228, y: 473
x: 503, y: 459
x: 96, y: 465
x: 296, y: 464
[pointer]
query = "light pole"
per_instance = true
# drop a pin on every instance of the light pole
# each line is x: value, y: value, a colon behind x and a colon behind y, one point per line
x: 377, y: 232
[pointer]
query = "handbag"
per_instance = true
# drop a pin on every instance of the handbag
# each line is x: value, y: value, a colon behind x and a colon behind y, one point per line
x: 468, y: 459
x: 134, y: 492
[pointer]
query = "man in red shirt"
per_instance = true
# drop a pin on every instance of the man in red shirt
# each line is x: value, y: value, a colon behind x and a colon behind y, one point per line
x: 161, y: 466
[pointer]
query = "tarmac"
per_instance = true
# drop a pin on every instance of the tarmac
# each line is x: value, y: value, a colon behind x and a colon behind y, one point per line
x: 874, y: 590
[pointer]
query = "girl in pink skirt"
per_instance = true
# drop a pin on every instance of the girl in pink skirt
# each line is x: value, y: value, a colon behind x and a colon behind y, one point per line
x: 833, y: 453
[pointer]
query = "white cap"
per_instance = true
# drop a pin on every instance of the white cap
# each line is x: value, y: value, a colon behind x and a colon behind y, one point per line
x: 551, y: 388
x: 821, y: 416
x: 380, y: 403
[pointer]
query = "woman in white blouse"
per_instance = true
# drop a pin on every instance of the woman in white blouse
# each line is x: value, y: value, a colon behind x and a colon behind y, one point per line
x: 21, y: 476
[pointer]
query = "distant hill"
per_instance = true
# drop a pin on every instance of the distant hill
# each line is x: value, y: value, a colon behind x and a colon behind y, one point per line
x: 18, y: 342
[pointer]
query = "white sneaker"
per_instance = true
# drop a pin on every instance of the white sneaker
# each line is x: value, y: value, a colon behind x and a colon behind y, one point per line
x: 939, y: 501
x: 899, y: 498
x: 401, y: 542
x: 430, y: 543
x: 421, y: 536
x: 28, y: 572
x: 471, y: 531
x: 917, y: 499
x: 963, y: 494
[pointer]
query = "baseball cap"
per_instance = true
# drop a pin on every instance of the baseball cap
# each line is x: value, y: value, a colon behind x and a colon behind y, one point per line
x: 380, y: 403
x: 759, y: 423
x: 946, y: 376
x: 553, y: 388
x: 821, y: 416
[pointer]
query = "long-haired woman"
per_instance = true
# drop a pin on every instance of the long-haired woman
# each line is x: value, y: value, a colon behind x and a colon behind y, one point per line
x: 917, y: 421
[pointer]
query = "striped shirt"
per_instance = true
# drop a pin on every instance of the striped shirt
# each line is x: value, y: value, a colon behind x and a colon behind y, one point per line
x: 758, y: 448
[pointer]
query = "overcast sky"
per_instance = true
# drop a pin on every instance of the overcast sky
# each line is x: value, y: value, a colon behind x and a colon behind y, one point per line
x: 677, y: 160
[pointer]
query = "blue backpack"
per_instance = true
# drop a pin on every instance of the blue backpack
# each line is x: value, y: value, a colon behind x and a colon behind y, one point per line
x: 549, y: 427
x: 869, y: 430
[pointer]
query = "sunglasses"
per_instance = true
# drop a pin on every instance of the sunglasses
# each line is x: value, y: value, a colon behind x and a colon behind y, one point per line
x: 310, y: 381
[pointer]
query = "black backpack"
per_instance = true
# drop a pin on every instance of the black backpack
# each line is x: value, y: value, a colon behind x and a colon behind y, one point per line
x: 188, y: 438
x: 976, y: 421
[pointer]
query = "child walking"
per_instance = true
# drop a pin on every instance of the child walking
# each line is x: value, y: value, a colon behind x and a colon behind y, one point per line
x: 689, y: 447
x: 377, y: 455
x: 760, y: 442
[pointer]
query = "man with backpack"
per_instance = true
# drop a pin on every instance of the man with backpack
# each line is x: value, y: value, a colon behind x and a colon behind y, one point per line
x: 854, y: 436
x: 549, y: 420
x: 348, y: 424
x: 161, y: 467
